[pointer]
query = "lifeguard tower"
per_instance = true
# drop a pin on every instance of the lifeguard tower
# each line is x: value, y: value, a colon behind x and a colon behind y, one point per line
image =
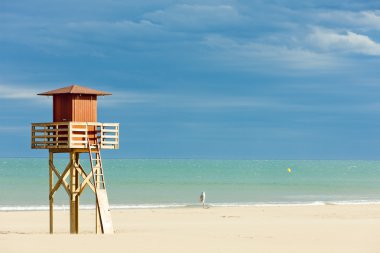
x: 75, y: 130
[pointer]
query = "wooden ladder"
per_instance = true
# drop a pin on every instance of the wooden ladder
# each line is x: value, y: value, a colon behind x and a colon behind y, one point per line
x: 102, y: 204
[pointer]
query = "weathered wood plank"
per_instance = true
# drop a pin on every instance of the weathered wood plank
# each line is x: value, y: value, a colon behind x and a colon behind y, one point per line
x: 104, y: 210
x: 61, y: 178
x: 86, y: 180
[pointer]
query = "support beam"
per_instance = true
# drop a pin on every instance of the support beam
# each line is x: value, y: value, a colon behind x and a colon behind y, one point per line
x: 86, y: 180
x: 51, y: 195
x: 62, y: 178
x: 74, y: 203
x: 76, y: 195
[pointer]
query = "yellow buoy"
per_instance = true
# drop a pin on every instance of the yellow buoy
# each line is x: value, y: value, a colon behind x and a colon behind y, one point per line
x: 289, y: 170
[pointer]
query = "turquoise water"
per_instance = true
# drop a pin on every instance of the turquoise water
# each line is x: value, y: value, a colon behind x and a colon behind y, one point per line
x: 157, y: 183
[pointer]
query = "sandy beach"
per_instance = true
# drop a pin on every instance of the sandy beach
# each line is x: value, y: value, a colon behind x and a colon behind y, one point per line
x: 330, y: 228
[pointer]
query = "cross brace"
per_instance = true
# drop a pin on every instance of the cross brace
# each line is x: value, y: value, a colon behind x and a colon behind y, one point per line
x: 78, y: 181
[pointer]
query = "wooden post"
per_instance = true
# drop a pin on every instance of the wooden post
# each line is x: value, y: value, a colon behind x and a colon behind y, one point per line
x: 51, y: 183
x: 76, y: 193
x: 73, y: 195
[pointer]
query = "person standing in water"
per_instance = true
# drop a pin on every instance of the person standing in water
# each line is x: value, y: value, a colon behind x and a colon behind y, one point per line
x: 202, y: 199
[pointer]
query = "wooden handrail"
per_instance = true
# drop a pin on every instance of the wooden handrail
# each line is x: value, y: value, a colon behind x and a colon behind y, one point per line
x: 74, y: 135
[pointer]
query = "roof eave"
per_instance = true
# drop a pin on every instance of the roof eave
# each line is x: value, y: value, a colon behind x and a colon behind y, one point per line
x: 49, y: 94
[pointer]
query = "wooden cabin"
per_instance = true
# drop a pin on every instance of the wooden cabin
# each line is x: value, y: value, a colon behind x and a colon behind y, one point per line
x: 74, y: 121
x: 75, y: 103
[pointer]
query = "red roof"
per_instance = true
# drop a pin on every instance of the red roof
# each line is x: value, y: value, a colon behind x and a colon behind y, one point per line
x: 75, y: 89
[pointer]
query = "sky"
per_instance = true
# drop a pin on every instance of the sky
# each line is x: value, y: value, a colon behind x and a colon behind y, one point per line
x: 200, y: 79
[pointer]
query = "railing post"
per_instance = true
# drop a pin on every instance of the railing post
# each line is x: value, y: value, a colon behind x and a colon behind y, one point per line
x: 56, y: 133
x: 32, y: 135
x: 101, y: 136
x: 86, y: 144
x: 69, y: 125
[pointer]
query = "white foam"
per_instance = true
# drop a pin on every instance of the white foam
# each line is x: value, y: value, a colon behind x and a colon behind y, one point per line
x: 355, y: 202
x: 149, y: 206
x: 89, y: 207
x: 23, y: 208
x: 274, y: 204
x: 190, y: 205
x: 40, y: 208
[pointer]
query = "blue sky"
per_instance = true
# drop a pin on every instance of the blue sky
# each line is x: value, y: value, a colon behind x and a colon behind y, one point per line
x: 200, y: 79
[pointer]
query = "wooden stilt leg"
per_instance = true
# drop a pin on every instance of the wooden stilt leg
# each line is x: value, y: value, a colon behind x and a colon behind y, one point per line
x: 72, y: 202
x: 73, y: 197
x: 76, y: 182
x: 51, y: 199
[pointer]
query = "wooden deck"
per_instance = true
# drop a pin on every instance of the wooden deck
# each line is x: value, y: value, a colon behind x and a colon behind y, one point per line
x: 74, y: 135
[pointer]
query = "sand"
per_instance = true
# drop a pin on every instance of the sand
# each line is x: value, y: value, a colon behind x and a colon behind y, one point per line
x: 351, y: 228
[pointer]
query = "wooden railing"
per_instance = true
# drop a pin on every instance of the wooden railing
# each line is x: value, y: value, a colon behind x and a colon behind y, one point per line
x: 62, y: 135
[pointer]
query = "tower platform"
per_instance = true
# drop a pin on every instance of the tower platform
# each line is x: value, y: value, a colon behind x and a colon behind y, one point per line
x: 66, y: 136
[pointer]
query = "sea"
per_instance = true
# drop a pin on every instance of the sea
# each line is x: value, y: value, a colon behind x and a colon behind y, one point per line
x: 173, y: 183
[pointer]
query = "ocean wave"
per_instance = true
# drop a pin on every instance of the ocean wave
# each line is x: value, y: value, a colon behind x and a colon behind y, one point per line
x: 40, y: 208
x: 189, y: 205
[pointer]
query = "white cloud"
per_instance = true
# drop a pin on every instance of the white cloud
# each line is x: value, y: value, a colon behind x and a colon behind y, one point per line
x: 212, y: 102
x: 197, y: 101
x: 132, y: 97
x: 197, y: 16
x: 348, y: 42
x: 366, y: 20
x: 115, y: 27
x: 180, y: 100
x: 17, y: 92
x: 266, y: 57
x: 14, y: 129
x: 370, y: 18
